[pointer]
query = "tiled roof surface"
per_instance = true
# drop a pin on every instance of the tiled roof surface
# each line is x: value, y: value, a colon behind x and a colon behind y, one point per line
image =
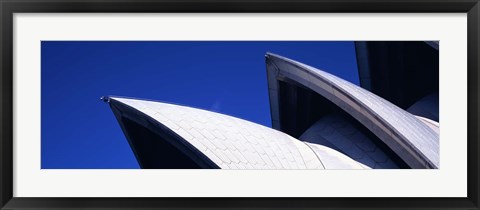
x: 233, y: 143
x: 402, y: 131
x: 336, y: 133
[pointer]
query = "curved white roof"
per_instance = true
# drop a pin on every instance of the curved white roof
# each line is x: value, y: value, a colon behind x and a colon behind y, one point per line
x: 335, y: 132
x: 415, y: 142
x: 233, y: 143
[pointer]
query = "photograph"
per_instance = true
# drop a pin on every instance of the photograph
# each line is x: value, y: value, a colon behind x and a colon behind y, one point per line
x: 240, y: 105
x: 199, y: 104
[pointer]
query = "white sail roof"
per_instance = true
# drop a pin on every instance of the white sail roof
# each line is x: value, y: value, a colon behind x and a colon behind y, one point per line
x: 415, y: 142
x: 233, y: 143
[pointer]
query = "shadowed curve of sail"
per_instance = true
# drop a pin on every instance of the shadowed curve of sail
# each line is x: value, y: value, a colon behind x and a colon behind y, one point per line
x: 410, y: 138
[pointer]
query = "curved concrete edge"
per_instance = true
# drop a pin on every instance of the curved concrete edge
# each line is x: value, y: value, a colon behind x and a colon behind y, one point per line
x: 430, y: 123
x: 233, y: 143
x: 138, y: 115
x: 414, y: 142
x: 332, y: 159
x: 229, y: 142
x: 337, y: 133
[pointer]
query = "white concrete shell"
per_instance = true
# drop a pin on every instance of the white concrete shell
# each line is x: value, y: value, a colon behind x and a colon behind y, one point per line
x: 412, y: 140
x: 335, y: 132
x: 229, y: 142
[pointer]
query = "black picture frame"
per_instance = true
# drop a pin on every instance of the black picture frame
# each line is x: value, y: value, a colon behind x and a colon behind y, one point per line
x: 9, y: 7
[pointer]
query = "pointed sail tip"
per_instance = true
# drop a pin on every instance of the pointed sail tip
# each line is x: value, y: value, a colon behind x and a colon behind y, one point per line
x: 105, y: 99
x: 269, y: 55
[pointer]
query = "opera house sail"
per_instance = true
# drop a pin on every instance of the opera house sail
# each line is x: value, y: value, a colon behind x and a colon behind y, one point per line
x: 319, y: 121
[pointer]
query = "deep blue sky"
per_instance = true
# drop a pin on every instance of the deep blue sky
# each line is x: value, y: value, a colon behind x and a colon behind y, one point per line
x: 80, y: 131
